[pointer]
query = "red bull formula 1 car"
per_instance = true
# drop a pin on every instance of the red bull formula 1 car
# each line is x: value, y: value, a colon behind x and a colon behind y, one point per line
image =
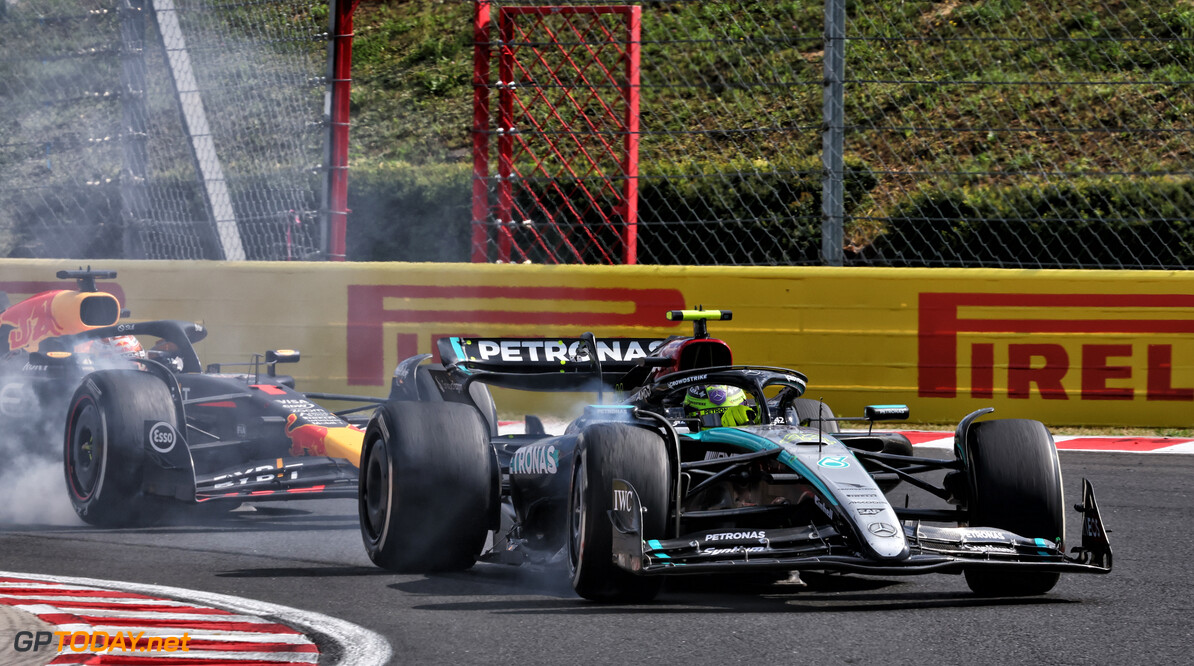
x: 646, y: 488
x: 150, y: 428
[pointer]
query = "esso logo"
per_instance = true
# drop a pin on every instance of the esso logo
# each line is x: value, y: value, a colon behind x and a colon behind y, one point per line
x: 162, y: 437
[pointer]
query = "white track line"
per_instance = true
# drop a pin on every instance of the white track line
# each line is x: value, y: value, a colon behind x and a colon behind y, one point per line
x: 78, y: 600
x: 151, y: 615
x: 1188, y: 447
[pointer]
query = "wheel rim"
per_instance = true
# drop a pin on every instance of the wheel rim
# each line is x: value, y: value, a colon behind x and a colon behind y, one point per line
x: 377, y: 489
x: 85, y: 452
x: 576, y: 522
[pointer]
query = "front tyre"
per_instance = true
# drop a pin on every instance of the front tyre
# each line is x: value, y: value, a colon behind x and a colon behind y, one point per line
x: 1015, y: 485
x: 608, y: 451
x: 817, y: 413
x: 426, y: 489
x: 104, y: 447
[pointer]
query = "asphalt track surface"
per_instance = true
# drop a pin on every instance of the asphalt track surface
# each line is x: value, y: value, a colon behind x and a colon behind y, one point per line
x: 308, y: 555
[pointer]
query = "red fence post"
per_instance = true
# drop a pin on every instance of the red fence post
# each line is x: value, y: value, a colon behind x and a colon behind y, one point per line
x: 563, y: 144
x: 338, y: 169
x: 481, y: 55
x: 505, y: 198
x: 630, y: 188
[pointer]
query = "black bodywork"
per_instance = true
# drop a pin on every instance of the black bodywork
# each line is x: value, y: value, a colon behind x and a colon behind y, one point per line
x: 234, y: 432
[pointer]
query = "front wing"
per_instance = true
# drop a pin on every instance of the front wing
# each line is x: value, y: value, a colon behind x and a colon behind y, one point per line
x: 280, y: 479
x: 171, y: 472
x: 822, y: 548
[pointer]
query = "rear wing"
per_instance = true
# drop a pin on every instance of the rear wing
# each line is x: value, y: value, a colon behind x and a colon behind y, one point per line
x: 546, y: 364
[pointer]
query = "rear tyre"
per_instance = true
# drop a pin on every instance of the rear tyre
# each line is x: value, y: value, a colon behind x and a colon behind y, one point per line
x: 605, y: 452
x: 104, y: 446
x: 426, y: 490
x: 806, y: 408
x: 477, y: 392
x: 1015, y: 485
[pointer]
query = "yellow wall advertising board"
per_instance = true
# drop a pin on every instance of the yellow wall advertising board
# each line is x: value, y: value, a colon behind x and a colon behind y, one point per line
x: 1065, y: 347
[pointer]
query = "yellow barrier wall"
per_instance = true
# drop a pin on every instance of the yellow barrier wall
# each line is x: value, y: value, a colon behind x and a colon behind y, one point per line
x: 1065, y: 347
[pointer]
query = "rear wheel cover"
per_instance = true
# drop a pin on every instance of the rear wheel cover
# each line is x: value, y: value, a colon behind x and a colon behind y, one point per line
x: 86, y: 453
x: 577, y: 517
x: 376, y: 491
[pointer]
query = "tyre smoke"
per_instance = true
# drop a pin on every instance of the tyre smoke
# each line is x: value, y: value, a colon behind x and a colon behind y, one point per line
x: 32, y: 486
x: 33, y: 420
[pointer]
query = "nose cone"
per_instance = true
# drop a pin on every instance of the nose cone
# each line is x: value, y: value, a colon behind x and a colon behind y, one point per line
x: 884, y: 534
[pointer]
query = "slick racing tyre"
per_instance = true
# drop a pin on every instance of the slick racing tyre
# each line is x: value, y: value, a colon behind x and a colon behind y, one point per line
x: 605, y: 452
x: 814, y: 409
x: 1015, y: 485
x: 427, y: 490
x: 477, y: 392
x: 104, y: 449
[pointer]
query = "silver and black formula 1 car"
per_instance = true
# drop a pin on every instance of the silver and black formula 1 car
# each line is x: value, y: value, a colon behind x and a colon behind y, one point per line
x: 148, y: 428
x: 643, y: 489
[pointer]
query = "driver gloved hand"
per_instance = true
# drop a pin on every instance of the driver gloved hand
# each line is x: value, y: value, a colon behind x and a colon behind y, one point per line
x: 737, y: 415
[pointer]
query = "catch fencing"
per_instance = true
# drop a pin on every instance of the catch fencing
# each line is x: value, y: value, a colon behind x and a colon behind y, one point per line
x: 1050, y: 134
x: 163, y: 129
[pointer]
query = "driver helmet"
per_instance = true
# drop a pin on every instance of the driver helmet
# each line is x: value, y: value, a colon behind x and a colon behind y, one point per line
x: 713, y: 399
x: 125, y: 345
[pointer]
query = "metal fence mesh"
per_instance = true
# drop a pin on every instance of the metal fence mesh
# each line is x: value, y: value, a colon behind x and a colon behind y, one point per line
x: 566, y: 136
x: 181, y: 129
x: 730, y: 133
x: 1001, y: 133
x: 1049, y: 134
x: 729, y: 114
x: 1005, y: 133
